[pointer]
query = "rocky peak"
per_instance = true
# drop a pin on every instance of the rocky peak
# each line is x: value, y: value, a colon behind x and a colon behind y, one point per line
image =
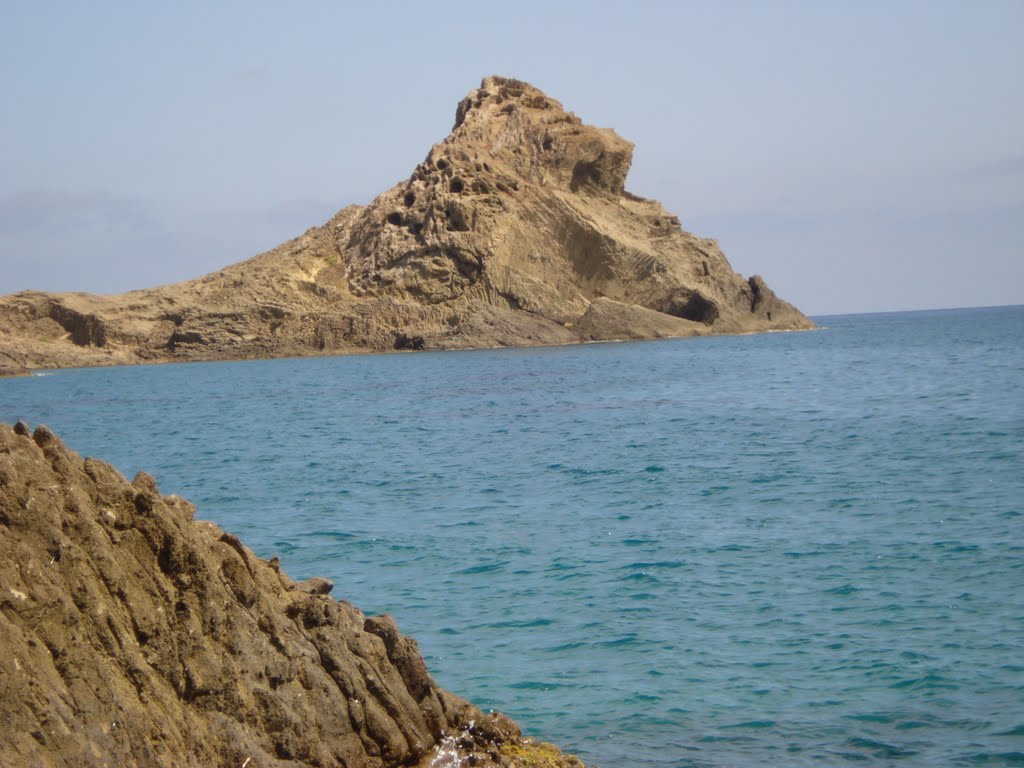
x: 520, y: 126
x: 510, y: 145
x: 516, y: 229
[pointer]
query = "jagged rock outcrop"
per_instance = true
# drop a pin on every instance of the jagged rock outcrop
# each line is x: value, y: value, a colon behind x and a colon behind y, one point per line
x: 517, y: 229
x: 132, y: 635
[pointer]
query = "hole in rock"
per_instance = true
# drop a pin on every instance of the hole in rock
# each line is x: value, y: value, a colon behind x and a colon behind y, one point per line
x: 402, y: 341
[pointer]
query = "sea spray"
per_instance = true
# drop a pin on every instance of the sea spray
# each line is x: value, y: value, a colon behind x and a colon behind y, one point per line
x: 454, y: 751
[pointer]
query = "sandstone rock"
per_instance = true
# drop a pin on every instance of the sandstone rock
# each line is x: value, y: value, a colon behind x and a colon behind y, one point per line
x: 607, y: 320
x: 12, y: 372
x: 315, y: 586
x: 132, y: 635
x: 516, y: 229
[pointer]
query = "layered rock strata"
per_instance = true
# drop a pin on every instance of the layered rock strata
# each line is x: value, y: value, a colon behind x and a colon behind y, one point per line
x: 133, y: 635
x: 517, y: 229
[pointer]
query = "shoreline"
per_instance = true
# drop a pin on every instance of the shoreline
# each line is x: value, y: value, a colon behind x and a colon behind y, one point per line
x: 30, y: 371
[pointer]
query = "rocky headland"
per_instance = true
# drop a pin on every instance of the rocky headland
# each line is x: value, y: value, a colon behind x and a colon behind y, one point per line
x: 517, y: 229
x: 133, y: 635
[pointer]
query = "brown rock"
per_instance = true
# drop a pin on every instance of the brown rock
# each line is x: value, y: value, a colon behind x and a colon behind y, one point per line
x: 509, y: 232
x: 132, y: 635
x: 315, y: 586
x: 608, y: 320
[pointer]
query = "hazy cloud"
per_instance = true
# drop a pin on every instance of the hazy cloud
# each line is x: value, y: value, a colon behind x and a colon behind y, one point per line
x: 94, y: 241
x: 879, y: 260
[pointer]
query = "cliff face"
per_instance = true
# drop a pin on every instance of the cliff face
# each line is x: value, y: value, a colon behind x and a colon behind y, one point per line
x: 132, y: 635
x: 517, y: 229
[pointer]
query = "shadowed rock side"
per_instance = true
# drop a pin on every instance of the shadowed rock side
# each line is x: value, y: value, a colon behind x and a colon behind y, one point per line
x: 517, y: 229
x: 131, y: 635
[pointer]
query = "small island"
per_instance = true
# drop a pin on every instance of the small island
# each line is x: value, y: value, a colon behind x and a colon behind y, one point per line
x: 515, y: 230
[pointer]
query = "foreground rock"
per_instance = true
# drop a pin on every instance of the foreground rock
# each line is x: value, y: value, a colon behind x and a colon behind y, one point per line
x: 517, y: 229
x: 131, y: 635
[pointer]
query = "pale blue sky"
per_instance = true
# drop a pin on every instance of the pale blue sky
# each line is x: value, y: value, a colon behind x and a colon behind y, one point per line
x: 862, y: 156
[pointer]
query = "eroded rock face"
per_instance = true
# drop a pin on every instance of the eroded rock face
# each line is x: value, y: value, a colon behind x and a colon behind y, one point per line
x: 132, y: 635
x: 507, y: 233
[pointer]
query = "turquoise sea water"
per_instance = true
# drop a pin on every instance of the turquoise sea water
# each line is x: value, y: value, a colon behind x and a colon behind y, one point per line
x: 798, y: 549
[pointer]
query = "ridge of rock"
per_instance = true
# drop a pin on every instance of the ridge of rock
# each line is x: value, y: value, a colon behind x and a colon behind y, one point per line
x: 132, y: 635
x: 516, y: 229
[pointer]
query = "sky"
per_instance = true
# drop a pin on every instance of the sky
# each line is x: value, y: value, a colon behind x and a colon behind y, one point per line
x: 861, y: 156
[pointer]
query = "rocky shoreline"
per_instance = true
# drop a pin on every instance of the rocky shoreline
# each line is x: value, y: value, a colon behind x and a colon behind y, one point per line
x: 515, y: 230
x: 134, y: 635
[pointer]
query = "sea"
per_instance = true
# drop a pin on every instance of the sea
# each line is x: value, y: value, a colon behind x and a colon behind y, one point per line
x: 786, y: 549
